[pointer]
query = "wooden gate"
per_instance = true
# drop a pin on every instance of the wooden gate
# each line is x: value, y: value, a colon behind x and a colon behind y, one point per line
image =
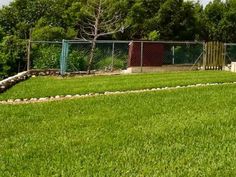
x: 214, y: 56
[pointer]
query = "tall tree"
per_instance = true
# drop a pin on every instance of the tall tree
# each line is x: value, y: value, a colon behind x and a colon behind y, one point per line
x: 227, y: 24
x: 213, y: 15
x: 176, y: 20
x: 98, y: 22
x: 142, y: 18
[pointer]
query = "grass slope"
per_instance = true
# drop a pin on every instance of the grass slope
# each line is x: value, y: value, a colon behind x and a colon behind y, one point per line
x: 52, y: 86
x: 189, y: 132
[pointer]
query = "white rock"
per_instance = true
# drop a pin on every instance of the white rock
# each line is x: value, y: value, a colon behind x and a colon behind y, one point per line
x: 43, y: 99
x: 33, y: 99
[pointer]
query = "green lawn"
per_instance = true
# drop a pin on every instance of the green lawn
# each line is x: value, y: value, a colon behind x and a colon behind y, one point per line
x: 52, y: 86
x: 187, y: 132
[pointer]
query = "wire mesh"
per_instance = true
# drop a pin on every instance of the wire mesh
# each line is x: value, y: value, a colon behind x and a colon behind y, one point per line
x: 164, y: 53
x: 175, y: 53
x: 74, y: 56
x: 108, y: 56
x: 230, y: 52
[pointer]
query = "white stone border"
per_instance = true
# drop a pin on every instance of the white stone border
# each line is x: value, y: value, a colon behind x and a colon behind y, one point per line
x: 77, y: 96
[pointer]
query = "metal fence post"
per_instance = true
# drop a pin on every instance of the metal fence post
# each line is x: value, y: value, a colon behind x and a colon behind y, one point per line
x: 28, y: 54
x: 225, y: 53
x: 113, y: 55
x: 141, y: 63
x: 63, y: 58
x: 204, y: 56
x: 173, y: 55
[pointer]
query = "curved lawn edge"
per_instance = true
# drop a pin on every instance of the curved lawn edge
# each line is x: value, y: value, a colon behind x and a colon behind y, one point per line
x: 107, y: 93
x: 40, y: 87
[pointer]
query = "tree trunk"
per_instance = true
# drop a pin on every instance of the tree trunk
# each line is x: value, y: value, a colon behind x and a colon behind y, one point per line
x: 91, y: 57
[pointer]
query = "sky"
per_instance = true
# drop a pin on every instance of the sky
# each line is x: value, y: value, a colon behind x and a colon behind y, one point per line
x: 6, y: 2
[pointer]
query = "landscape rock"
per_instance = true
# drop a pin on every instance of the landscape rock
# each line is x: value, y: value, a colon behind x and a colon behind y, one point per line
x: 10, y: 101
x: 33, y: 99
x: 43, y: 99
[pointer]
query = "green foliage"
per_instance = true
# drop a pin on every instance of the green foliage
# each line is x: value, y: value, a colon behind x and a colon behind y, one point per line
x: 154, y: 35
x: 48, y: 33
x: 107, y: 63
x: 143, y: 19
x: 2, y: 34
x: 214, y: 14
x: 12, y: 55
x: 46, y: 57
x: 78, y: 61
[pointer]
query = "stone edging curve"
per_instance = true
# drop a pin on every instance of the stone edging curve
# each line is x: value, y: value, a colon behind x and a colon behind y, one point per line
x: 11, y: 81
x: 69, y: 97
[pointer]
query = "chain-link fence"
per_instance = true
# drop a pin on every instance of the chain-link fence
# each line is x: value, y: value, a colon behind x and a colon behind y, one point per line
x: 182, y: 52
x: 107, y: 56
x: 230, y: 52
x: 74, y: 55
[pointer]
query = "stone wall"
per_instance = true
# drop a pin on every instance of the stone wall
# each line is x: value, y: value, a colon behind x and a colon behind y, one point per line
x: 11, y: 81
x: 44, y: 72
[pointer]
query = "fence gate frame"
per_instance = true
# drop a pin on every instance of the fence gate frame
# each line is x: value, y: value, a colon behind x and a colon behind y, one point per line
x: 214, y: 55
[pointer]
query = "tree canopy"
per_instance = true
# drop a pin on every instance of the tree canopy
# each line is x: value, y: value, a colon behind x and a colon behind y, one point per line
x: 143, y: 19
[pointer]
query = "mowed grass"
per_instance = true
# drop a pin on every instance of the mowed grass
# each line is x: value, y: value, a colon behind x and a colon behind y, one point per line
x: 187, y: 132
x: 52, y: 86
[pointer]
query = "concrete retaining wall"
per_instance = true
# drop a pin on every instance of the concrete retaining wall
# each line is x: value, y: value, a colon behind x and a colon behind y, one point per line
x: 233, y: 66
x: 160, y: 69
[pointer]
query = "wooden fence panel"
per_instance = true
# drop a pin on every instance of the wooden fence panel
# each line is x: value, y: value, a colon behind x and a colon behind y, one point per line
x: 214, y: 58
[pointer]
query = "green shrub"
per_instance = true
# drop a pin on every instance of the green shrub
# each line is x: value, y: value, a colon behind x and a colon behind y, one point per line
x: 107, y: 63
x: 78, y: 61
x: 46, y: 57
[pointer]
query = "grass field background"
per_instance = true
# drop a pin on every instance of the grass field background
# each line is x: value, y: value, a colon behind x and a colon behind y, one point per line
x: 52, y: 86
x: 187, y: 132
